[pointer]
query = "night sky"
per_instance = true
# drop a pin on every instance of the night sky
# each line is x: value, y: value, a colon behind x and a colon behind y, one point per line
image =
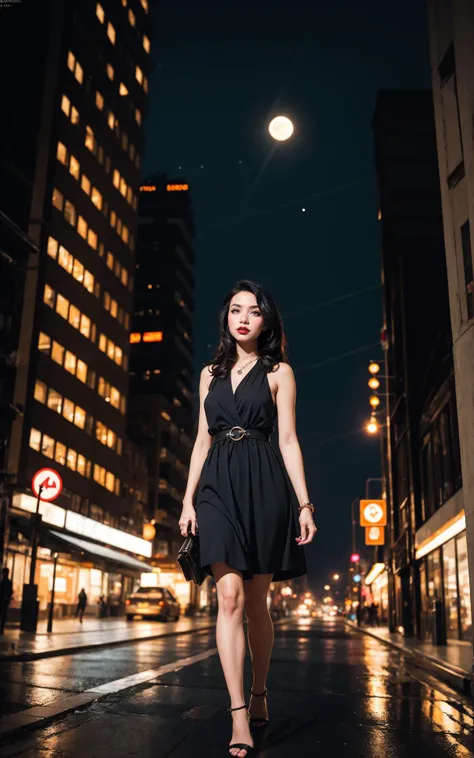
x: 221, y: 71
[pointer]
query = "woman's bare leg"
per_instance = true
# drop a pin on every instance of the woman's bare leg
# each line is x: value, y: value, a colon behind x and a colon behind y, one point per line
x: 230, y: 639
x: 260, y: 636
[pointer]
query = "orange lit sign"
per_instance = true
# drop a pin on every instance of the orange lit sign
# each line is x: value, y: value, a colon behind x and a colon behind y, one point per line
x: 148, y: 188
x: 135, y: 337
x: 152, y: 336
x: 373, y: 513
x: 177, y: 187
x: 374, y: 535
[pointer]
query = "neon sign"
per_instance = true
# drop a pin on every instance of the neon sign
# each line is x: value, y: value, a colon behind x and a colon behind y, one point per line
x: 177, y: 187
x: 148, y: 188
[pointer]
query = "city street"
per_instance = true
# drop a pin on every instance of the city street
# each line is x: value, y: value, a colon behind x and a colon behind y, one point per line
x: 332, y: 692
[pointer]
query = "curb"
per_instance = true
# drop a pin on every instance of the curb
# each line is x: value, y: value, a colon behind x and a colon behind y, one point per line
x: 34, y: 656
x: 446, y: 672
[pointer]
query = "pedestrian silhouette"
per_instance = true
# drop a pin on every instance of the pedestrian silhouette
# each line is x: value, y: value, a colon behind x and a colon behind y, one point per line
x: 81, y: 605
x: 6, y: 592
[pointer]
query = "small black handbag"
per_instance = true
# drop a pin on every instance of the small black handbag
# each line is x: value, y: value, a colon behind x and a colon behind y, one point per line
x: 188, y: 559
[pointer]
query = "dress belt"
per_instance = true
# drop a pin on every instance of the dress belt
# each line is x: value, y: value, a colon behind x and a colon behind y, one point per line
x: 237, y: 433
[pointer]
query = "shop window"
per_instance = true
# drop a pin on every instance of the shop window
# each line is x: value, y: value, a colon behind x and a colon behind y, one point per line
x: 465, y: 617
x: 450, y: 589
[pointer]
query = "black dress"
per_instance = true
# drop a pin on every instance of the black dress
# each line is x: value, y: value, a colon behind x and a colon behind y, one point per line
x: 246, y: 506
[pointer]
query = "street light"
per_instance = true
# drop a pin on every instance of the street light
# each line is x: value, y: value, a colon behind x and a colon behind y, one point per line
x: 374, y: 368
x: 374, y: 383
x: 372, y: 425
x: 336, y: 577
x: 327, y: 587
x: 374, y: 401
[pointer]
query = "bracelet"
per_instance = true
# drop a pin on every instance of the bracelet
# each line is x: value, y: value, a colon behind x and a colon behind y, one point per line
x: 306, y: 505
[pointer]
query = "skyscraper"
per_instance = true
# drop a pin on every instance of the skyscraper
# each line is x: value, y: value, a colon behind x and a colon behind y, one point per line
x: 71, y: 148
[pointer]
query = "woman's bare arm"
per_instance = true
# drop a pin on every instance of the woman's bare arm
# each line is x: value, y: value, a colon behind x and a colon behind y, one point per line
x: 198, y: 456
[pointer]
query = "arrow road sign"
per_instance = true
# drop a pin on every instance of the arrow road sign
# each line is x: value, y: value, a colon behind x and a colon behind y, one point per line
x: 50, y: 482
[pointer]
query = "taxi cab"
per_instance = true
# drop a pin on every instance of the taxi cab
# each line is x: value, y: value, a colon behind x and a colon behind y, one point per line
x: 152, y: 602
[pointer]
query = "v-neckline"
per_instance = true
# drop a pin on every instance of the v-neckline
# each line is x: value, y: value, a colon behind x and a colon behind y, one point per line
x: 234, y: 392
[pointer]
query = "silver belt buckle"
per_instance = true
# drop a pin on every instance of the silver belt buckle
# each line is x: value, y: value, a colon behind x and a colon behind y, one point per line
x: 236, y: 439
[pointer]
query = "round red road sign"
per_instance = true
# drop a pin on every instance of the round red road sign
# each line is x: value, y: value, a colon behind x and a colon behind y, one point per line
x: 51, y: 484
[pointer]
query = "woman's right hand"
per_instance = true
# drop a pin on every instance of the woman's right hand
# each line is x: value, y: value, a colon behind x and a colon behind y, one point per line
x: 188, y: 517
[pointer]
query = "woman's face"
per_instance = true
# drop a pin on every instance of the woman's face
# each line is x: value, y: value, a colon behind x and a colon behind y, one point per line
x: 244, y: 314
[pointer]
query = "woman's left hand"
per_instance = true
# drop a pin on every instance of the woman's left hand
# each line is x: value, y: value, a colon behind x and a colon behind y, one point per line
x: 308, y: 527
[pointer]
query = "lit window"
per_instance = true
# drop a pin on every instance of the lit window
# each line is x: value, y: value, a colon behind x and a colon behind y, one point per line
x: 118, y: 356
x: 110, y: 72
x: 81, y: 465
x: 107, y: 165
x: 68, y: 410
x: 71, y: 459
x: 61, y: 153
x: 117, y: 268
x: 123, y: 90
x: 111, y: 33
x: 99, y: 474
x: 145, y: 84
x: 44, y: 342
x: 111, y: 120
x: 125, y: 234
x: 124, y: 3
x: 123, y: 186
x: 138, y: 74
x: 131, y: 17
x: 113, y: 219
x: 111, y: 437
x: 92, y: 239
x: 81, y: 372
x: 88, y: 281
x: 116, y: 179
x: 65, y: 259
x: 57, y: 353
x: 113, y: 308
x: 99, y: 101
x: 103, y: 343
x: 70, y: 362
x: 96, y: 198
x: 100, y: 13
x: 71, y: 61
x: 47, y: 446
x: 58, y: 199
x: 40, y: 391
x: 127, y: 321
x: 55, y: 401
x: 85, y: 326
x: 78, y: 271
x: 119, y: 227
x: 124, y: 276
x: 110, y: 349
x: 129, y: 195
x: 48, y: 296
x: 89, y: 142
x: 74, y: 316
x: 124, y: 141
x: 62, y: 306
x: 78, y: 73
x: 146, y: 43
x: 109, y: 481
x: 80, y: 417
x: 74, y: 167
x: 74, y: 115
x: 82, y: 227
x: 35, y: 439
x: 60, y: 453
x: 138, y: 116
x: 100, y: 154
x: 85, y: 184
x: 110, y: 261
x: 65, y: 105
x: 145, y: 5
x: 70, y: 213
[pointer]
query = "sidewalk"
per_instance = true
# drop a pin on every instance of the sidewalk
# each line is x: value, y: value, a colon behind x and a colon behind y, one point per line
x: 451, y: 663
x: 70, y: 636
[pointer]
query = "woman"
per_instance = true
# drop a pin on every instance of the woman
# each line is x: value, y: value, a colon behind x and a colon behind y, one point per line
x: 240, y: 496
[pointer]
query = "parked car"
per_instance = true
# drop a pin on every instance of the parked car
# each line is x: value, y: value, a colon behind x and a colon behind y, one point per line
x: 157, y: 602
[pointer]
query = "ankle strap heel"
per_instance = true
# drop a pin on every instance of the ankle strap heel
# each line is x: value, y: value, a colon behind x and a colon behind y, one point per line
x: 259, y: 694
x: 239, y: 708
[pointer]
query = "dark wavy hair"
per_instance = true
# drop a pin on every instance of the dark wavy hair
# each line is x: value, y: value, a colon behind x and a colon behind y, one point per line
x: 272, y: 345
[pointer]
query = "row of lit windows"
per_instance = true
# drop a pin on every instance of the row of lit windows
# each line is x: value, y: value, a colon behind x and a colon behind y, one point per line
x: 116, y: 311
x: 71, y: 112
x: 73, y: 266
x: 122, y: 230
x: 71, y: 162
x: 113, y: 123
x: 69, y: 312
x: 125, y: 190
x: 131, y: 18
x: 80, y: 370
x: 143, y: 2
x: 72, y: 217
x: 120, y: 272
x: 76, y: 415
x: 113, y: 351
x: 74, y: 66
x: 111, y: 394
x: 54, y: 450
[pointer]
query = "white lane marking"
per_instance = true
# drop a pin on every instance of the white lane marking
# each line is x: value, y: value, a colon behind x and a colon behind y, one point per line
x: 146, y: 676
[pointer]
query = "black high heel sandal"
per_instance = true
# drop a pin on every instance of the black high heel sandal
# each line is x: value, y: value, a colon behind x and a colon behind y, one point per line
x: 256, y: 723
x: 241, y: 745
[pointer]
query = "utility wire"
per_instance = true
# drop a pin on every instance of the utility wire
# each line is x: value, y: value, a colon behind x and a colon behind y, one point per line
x: 334, y: 300
x: 338, y: 357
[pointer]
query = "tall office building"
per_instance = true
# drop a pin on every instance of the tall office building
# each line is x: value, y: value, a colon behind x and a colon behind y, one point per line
x: 161, y: 412
x: 71, y: 146
x: 452, y: 64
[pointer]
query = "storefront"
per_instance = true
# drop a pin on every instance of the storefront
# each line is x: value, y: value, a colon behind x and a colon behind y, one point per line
x: 188, y: 594
x: 87, y: 559
x: 377, y: 584
x: 444, y: 575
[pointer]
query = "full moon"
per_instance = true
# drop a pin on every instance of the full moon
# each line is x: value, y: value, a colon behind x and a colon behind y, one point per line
x: 281, y: 128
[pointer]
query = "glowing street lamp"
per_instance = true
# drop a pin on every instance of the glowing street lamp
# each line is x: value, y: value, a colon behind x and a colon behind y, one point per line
x: 374, y: 368
x: 281, y: 128
x: 326, y: 587
x: 374, y: 401
x: 336, y: 577
x: 372, y: 426
x: 374, y: 383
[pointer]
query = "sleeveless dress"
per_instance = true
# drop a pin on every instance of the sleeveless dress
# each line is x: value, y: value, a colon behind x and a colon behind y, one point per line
x: 246, y: 506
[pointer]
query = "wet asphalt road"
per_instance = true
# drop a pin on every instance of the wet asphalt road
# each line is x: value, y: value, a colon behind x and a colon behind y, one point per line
x: 332, y: 692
